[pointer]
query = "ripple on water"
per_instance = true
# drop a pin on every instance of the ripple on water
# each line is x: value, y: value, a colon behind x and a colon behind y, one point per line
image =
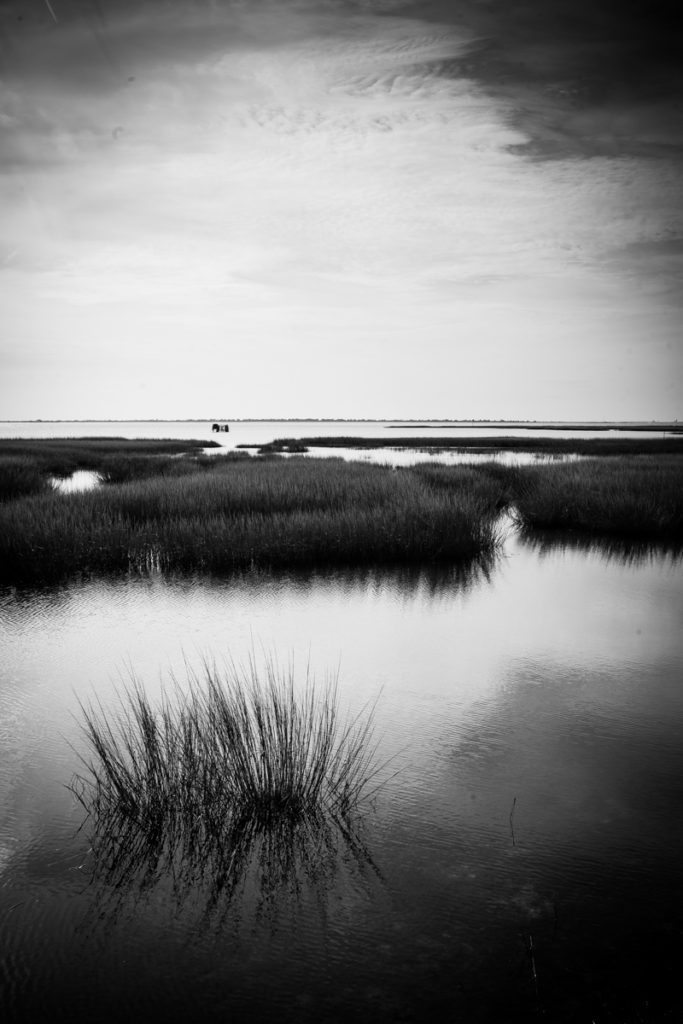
x: 535, y: 714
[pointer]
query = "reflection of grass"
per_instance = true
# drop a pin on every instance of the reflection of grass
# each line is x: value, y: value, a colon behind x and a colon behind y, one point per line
x: 621, y: 550
x: 243, y: 761
x: 253, y: 865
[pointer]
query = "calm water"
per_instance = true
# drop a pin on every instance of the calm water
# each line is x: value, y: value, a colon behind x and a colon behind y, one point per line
x: 262, y: 431
x: 256, y: 432
x: 81, y: 480
x: 525, y: 862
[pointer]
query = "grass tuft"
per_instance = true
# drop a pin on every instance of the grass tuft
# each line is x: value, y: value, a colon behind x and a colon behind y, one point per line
x: 242, y: 756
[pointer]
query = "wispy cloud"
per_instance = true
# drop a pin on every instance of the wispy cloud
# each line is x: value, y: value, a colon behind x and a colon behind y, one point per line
x: 271, y: 166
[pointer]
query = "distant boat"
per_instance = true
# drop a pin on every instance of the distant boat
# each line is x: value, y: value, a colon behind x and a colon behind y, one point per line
x: 218, y: 428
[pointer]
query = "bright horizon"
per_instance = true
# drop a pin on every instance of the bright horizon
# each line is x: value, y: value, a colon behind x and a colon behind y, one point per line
x: 344, y: 419
x: 320, y: 209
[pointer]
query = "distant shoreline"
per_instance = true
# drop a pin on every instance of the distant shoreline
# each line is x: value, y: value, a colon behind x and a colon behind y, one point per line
x: 558, y: 445
x: 668, y: 428
x: 665, y: 426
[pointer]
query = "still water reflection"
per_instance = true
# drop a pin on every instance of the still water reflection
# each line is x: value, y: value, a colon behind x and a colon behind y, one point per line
x: 81, y: 480
x: 524, y: 861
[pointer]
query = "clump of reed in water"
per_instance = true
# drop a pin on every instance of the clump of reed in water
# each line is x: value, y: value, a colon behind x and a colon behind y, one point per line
x: 243, y: 751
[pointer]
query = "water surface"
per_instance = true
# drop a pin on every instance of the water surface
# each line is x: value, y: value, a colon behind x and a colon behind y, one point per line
x: 525, y: 861
x: 80, y: 480
x: 259, y: 432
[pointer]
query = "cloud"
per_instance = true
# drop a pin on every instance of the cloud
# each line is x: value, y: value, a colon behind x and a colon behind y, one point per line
x: 297, y: 171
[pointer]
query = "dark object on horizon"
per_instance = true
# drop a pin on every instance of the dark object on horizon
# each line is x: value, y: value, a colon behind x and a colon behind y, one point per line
x: 217, y: 428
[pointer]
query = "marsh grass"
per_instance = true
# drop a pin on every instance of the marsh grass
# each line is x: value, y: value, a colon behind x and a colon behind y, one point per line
x: 243, y: 513
x: 542, y: 445
x: 246, y: 513
x: 63, y: 456
x: 241, y: 765
x: 20, y: 477
x: 638, y: 498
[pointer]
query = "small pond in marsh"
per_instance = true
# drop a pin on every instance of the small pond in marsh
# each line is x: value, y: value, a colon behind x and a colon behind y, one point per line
x: 524, y: 862
x: 81, y: 480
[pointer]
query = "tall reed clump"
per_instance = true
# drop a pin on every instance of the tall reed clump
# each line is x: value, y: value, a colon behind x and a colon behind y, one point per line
x: 242, y: 753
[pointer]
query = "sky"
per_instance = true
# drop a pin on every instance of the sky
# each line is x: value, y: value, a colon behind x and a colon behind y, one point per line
x: 323, y: 208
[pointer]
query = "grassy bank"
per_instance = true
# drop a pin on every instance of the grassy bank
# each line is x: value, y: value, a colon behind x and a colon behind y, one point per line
x: 239, y: 512
x: 543, y: 445
x: 639, y: 498
x: 26, y: 466
x: 247, y: 512
x: 669, y: 426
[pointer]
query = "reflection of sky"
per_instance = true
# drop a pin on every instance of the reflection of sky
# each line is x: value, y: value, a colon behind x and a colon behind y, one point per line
x: 331, y: 209
x: 443, y: 654
x: 554, y: 681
